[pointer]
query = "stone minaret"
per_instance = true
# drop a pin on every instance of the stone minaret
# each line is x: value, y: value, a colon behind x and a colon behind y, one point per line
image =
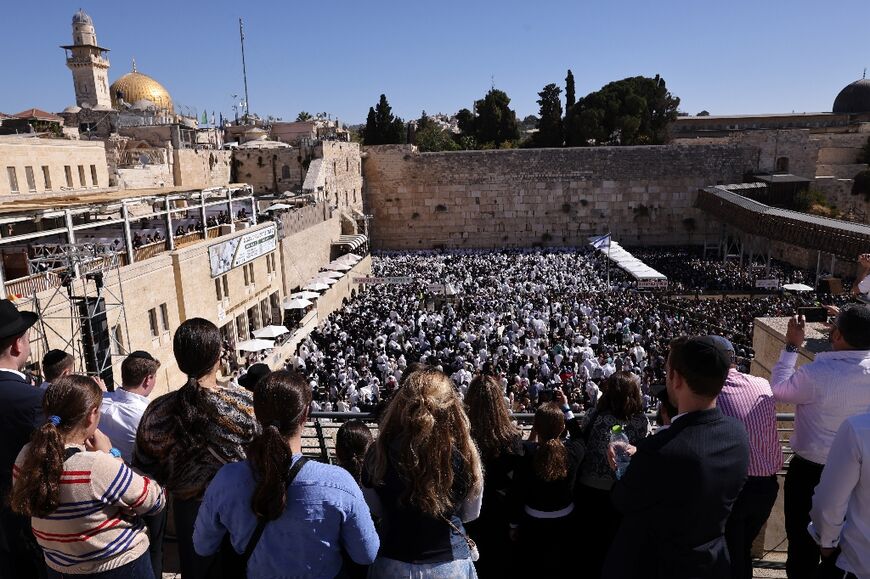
x: 89, y: 65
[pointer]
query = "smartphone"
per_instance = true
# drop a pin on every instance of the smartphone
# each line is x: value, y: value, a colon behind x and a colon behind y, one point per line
x: 814, y: 314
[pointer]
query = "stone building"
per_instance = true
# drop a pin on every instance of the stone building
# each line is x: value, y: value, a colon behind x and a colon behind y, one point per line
x: 39, y: 168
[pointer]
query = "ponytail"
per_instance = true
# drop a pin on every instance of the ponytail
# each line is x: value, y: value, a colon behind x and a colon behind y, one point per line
x: 281, y: 401
x: 271, y: 459
x: 36, y: 491
x: 551, y: 458
x: 67, y: 404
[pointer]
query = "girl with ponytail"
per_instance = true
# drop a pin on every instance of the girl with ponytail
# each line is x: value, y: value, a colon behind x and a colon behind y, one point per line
x: 542, y: 516
x: 80, y: 495
x: 292, y: 517
x: 185, y: 436
x: 423, y: 477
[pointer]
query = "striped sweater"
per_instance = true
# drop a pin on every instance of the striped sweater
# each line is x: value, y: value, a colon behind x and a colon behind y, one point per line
x: 95, y: 527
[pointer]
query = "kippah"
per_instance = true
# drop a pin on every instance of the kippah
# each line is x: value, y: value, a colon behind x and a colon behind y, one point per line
x: 53, y: 357
x: 854, y: 324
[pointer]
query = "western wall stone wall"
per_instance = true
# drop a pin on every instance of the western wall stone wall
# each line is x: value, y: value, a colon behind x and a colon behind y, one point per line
x: 201, y: 168
x: 551, y: 197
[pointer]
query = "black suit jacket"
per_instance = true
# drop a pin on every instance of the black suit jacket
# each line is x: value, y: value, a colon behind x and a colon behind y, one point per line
x: 20, y: 414
x: 675, y: 499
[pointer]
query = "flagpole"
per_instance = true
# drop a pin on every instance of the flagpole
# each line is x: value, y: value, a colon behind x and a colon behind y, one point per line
x: 244, y: 69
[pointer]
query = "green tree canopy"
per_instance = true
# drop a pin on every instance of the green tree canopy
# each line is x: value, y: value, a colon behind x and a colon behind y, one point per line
x: 570, y: 96
x: 303, y: 116
x: 550, y: 120
x: 382, y: 127
x: 494, y: 125
x: 631, y: 111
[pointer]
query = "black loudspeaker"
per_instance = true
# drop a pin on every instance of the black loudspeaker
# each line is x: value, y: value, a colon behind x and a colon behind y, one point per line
x: 831, y: 285
x: 95, y: 338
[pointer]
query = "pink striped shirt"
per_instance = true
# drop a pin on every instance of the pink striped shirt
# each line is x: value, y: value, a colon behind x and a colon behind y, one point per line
x: 750, y: 400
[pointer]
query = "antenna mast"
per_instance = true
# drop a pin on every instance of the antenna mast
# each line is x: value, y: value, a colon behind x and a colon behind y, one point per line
x: 244, y: 68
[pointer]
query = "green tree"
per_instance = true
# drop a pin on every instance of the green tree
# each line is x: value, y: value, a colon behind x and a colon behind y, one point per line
x: 570, y: 97
x: 704, y: 113
x: 465, y: 120
x: 303, y: 116
x: 382, y: 127
x: 550, y: 119
x: 631, y: 111
x: 495, y: 123
x: 424, y: 122
x: 432, y: 139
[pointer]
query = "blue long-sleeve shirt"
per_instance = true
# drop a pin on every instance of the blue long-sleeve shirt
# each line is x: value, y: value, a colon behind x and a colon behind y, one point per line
x: 325, y: 512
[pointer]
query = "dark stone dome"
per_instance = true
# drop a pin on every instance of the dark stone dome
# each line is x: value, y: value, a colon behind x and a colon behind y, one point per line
x: 81, y: 17
x: 855, y: 98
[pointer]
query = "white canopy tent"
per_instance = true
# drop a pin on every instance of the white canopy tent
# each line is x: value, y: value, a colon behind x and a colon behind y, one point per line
x: 255, y: 345
x: 297, y: 304
x: 629, y: 263
x: 271, y: 332
x: 316, y: 285
x: 305, y: 295
x: 331, y: 274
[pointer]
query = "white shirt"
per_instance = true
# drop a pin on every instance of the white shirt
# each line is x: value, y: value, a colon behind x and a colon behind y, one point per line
x: 864, y: 287
x: 120, y: 414
x: 841, y: 504
x: 835, y: 386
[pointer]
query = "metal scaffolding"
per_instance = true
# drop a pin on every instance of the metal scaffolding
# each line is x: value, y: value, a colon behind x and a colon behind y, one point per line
x: 84, y: 313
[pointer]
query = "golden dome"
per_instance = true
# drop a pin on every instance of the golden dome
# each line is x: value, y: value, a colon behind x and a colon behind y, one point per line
x: 135, y: 87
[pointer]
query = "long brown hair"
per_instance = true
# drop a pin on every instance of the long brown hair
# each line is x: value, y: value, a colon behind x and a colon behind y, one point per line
x: 621, y: 396
x: 280, y: 403
x: 551, y: 458
x: 36, y: 491
x: 491, y: 426
x: 426, y: 419
x: 351, y: 443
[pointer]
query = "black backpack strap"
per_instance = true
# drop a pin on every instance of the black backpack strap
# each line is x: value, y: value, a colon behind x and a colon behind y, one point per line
x: 68, y: 452
x: 261, y: 523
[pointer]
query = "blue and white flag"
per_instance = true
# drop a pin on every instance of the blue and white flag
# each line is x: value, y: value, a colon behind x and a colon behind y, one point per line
x: 602, y: 242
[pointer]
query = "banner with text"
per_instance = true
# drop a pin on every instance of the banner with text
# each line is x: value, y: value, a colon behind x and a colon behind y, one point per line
x: 383, y: 280
x: 652, y: 284
x: 225, y: 256
x: 767, y: 283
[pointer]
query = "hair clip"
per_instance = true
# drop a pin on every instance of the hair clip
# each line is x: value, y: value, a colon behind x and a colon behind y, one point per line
x: 54, y: 419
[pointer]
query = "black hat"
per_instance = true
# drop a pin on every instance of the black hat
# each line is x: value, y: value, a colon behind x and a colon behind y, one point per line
x: 708, y: 355
x: 53, y: 357
x: 854, y: 324
x: 13, y: 322
x: 659, y: 390
x: 254, y: 374
x: 141, y: 354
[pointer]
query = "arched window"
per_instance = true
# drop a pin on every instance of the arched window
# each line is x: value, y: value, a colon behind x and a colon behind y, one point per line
x: 782, y: 165
x: 285, y: 172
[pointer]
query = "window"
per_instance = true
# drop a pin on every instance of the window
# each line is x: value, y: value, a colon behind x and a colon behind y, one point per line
x: 152, y: 319
x: 46, y: 176
x: 117, y: 346
x: 94, y: 181
x: 285, y: 172
x: 251, y: 265
x: 164, y: 315
x: 226, y: 287
x: 247, y: 280
x: 31, y: 180
x: 82, y: 181
x: 242, y: 327
x: 13, y: 179
x: 782, y: 165
x: 265, y: 312
x: 270, y: 263
x: 67, y: 170
x: 217, y: 288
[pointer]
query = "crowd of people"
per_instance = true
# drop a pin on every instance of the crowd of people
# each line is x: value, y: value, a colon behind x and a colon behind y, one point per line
x: 447, y: 487
x: 535, y: 318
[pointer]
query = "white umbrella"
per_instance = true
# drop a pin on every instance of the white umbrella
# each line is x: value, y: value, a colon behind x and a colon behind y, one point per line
x: 315, y: 285
x: 332, y: 274
x: 349, y: 258
x: 797, y: 287
x: 255, y: 345
x: 278, y: 206
x: 297, y: 304
x: 305, y: 296
x: 326, y: 280
x: 271, y: 332
x: 338, y: 266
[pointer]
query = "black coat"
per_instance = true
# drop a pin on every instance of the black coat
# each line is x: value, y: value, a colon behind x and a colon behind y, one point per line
x: 20, y: 413
x: 676, y: 497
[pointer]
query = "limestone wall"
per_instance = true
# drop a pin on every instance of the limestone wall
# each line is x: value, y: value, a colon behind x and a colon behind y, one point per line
x: 270, y: 170
x: 304, y: 253
x: 528, y: 197
x: 201, y: 168
x: 343, y: 173
x: 69, y: 166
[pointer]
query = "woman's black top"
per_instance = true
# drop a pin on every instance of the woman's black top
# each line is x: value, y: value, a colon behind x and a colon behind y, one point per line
x: 528, y: 490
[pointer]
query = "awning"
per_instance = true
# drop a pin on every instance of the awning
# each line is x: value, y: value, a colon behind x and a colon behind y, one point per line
x: 351, y: 242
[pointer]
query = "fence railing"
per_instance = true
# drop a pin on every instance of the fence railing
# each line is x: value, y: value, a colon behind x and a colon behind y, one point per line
x: 318, y: 438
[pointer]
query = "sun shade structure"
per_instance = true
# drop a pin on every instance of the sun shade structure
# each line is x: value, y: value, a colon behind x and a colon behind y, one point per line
x: 271, y: 332
x: 315, y: 285
x: 331, y: 274
x: 797, y: 287
x: 256, y: 345
x: 338, y: 266
x: 297, y: 304
x: 305, y: 295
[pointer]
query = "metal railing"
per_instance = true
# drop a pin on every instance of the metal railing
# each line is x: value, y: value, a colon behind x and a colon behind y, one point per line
x: 318, y: 438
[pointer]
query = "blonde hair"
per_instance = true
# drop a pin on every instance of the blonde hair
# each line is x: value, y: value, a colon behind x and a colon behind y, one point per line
x: 426, y: 419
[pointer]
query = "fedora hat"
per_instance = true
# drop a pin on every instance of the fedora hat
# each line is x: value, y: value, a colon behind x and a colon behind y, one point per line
x: 13, y: 322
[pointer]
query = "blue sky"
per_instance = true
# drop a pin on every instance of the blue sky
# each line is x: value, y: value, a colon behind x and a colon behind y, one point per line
x: 739, y: 57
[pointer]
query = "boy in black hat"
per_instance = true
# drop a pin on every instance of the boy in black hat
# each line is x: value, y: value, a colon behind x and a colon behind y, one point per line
x: 20, y: 413
x: 678, y: 491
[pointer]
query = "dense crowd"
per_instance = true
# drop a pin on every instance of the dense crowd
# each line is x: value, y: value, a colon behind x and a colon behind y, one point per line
x: 448, y: 488
x: 536, y: 318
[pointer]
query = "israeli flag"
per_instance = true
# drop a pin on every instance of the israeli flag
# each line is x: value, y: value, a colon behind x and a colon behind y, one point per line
x: 602, y: 242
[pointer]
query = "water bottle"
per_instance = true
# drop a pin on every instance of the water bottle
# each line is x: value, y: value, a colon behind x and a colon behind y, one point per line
x: 619, y: 442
